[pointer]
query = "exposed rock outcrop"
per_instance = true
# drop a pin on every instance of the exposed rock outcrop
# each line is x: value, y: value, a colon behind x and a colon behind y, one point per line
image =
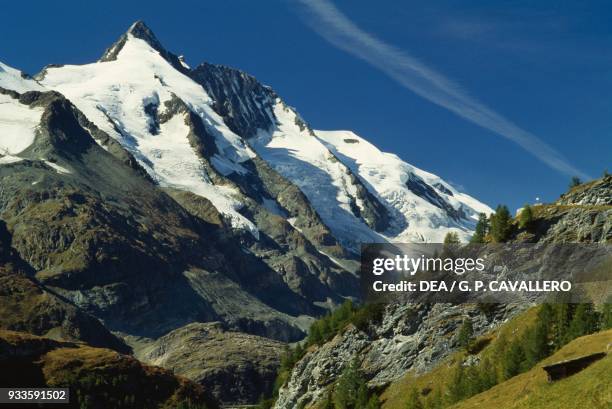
x: 238, y: 367
x: 409, y: 337
x: 596, y: 193
x: 415, y: 337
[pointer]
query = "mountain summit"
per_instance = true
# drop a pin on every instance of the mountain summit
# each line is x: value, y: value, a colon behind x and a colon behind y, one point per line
x: 154, y: 198
x: 242, y: 122
x: 141, y: 31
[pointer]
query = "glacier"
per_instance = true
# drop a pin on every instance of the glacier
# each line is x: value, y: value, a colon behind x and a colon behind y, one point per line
x: 362, y: 194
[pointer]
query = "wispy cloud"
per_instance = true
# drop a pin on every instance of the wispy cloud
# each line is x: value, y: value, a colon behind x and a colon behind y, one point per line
x: 467, y: 29
x: 336, y: 28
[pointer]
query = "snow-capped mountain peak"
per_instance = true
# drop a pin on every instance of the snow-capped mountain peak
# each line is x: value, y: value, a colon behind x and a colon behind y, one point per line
x: 137, y: 96
x: 361, y: 193
x: 200, y: 129
x: 15, y: 80
x: 142, y: 32
x: 424, y: 206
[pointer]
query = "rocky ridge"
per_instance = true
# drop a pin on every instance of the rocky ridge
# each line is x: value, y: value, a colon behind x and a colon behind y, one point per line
x: 416, y: 337
x: 150, y: 200
x: 238, y: 366
x: 409, y: 337
x: 582, y: 215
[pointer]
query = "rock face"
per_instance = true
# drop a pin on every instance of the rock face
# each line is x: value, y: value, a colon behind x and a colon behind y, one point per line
x: 414, y: 337
x: 573, y: 224
x: 93, y: 228
x: 141, y: 199
x: 140, y: 30
x: 320, y: 368
x: 28, y: 306
x: 409, y: 337
x: 596, y: 193
x: 582, y: 215
x: 414, y: 204
x: 239, y: 98
x: 94, y: 236
x: 239, y: 366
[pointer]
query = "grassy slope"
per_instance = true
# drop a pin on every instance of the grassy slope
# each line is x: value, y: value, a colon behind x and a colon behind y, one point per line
x: 102, y: 377
x: 394, y: 397
x: 590, y: 388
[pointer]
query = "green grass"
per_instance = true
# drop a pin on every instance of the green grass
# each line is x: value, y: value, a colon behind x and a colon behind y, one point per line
x: 590, y: 388
x: 434, y: 381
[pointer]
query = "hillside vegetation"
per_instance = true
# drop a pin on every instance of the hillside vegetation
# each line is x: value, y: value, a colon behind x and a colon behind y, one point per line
x: 98, y: 378
x: 496, y: 363
x: 590, y: 388
x: 432, y: 385
x: 322, y: 331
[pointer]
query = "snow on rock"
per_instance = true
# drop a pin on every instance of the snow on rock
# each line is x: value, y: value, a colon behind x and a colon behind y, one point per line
x: 5, y: 160
x: 18, y: 124
x: 401, y: 203
x: 123, y: 98
x: 183, y: 62
x: 424, y: 206
x: 59, y: 169
x: 301, y: 157
x: 15, y: 80
x: 126, y: 95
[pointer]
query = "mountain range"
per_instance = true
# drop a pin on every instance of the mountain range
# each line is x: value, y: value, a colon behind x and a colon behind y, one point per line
x: 146, y: 205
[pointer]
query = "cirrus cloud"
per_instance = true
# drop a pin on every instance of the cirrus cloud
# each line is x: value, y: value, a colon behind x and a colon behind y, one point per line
x: 331, y: 24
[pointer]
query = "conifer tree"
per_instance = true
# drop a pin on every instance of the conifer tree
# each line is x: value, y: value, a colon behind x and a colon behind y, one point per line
x: 414, y: 400
x: 537, y: 338
x: 362, y: 396
x: 481, y: 230
x: 434, y: 400
x: 575, y: 182
x: 298, y: 352
x: 451, y: 239
x: 456, y: 390
x: 536, y: 344
x: 513, y: 362
x: 501, y: 224
x: 314, y: 335
x: 328, y: 403
x: 373, y: 402
x: 472, y: 381
x: 451, y: 244
x: 325, y: 327
x: 488, y: 375
x: 606, y: 315
x: 350, y: 388
x: 466, y: 333
x: 526, y: 217
x: 584, y: 321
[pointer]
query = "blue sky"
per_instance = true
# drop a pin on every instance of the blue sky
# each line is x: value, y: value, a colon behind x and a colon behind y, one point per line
x: 542, y: 68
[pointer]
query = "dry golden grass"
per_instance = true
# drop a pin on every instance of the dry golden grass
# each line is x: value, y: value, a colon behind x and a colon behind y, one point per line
x: 99, y: 375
